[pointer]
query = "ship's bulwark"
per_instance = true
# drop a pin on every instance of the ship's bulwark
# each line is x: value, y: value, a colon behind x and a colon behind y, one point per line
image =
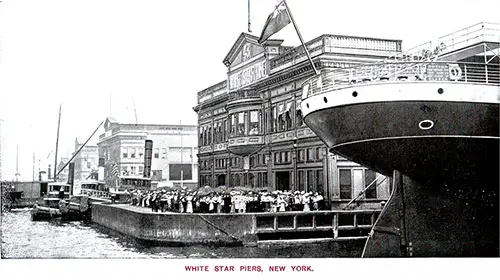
x: 451, y: 170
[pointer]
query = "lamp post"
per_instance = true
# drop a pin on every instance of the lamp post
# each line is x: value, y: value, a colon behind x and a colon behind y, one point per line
x: 294, y: 156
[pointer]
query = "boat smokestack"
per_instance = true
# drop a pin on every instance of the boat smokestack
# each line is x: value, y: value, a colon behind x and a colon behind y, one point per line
x: 148, y: 154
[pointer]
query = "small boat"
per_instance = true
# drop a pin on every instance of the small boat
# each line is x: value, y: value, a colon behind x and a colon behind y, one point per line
x: 77, y: 208
x: 95, y: 190
x: 41, y: 213
x: 57, y: 193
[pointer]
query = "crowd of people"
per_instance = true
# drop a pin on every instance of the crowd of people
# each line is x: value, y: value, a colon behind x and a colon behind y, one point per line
x: 185, y: 201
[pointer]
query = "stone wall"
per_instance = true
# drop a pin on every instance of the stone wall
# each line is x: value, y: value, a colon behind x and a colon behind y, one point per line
x: 176, y: 228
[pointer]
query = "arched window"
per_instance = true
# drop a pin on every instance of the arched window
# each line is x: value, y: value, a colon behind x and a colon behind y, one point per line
x: 281, y: 123
x: 204, y: 135
x: 220, y: 133
x: 300, y: 120
x: 288, y: 120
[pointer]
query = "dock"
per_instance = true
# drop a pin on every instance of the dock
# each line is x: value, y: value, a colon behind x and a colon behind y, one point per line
x: 240, y: 229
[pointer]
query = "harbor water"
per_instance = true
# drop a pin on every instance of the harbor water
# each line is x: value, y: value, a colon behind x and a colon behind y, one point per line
x: 25, y: 239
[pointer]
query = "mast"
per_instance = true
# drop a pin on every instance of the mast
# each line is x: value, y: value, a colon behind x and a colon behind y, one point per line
x: 182, y: 153
x: 57, y: 144
x: 17, y: 163
x: 78, y: 151
x: 135, y: 111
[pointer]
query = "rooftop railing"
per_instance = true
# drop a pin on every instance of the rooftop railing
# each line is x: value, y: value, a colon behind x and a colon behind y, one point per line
x: 477, y: 33
x: 402, y: 71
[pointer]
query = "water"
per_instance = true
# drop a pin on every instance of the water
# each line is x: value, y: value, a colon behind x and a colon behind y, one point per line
x: 23, y: 238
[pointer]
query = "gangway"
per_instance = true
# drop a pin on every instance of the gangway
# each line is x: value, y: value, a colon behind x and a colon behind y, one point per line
x: 479, y: 39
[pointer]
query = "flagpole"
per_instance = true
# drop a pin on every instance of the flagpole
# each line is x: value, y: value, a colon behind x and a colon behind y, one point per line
x: 249, y: 24
x: 300, y: 37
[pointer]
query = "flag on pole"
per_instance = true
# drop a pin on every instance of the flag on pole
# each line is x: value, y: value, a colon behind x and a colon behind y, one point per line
x: 114, y: 169
x: 275, y: 22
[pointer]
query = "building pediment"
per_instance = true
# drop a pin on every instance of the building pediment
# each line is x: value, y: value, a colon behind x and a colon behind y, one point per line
x: 245, y: 48
x: 109, y: 123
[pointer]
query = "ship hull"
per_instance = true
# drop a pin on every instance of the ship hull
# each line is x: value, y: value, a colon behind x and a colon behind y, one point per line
x: 437, y: 142
x: 447, y: 148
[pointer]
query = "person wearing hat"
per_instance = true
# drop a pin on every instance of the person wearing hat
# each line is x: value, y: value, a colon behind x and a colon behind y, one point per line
x: 306, y: 199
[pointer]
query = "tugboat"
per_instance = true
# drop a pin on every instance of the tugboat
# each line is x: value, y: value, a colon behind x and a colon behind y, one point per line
x: 431, y: 121
x: 57, y: 193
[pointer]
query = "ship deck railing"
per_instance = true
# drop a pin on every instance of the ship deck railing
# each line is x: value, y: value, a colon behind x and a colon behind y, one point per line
x: 402, y: 71
x: 471, y: 35
x: 95, y: 193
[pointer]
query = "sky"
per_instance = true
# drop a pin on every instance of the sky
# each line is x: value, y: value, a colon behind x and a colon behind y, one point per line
x: 98, y: 58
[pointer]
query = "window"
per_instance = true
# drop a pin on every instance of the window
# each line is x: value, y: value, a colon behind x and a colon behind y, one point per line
x: 157, y: 153
x: 132, y: 152
x: 281, y: 117
x: 319, y: 180
x: 345, y: 184
x: 124, y: 153
x: 141, y: 169
x: 219, y: 132
x: 88, y: 164
x: 275, y: 119
x: 309, y: 154
x: 254, y: 123
x: 224, y: 131
x: 156, y: 175
x: 299, y: 119
x: 302, y: 181
x: 163, y: 153
x: 233, y: 124
x: 141, y: 152
x: 370, y: 176
x: 319, y: 154
x: 241, y: 124
x: 288, y: 116
x: 310, y: 181
x: 132, y: 170
x: 301, y: 155
x: 178, y: 170
x: 276, y: 158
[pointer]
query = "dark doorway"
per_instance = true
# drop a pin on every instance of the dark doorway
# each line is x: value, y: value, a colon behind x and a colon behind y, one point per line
x: 283, y: 180
x: 221, y: 180
x: 43, y: 189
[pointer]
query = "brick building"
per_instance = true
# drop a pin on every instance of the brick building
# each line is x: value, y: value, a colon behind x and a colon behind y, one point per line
x: 174, y: 152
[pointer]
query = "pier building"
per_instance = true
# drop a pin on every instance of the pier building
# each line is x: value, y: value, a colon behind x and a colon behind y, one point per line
x: 86, y: 161
x: 122, y: 152
x: 250, y: 126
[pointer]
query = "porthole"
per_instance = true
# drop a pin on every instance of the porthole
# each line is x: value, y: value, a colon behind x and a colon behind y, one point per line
x: 324, y: 99
x: 307, y: 104
x: 426, y: 124
x: 354, y: 93
x: 440, y: 90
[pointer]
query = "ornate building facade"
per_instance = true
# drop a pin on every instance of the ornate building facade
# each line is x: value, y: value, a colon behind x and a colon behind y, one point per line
x: 173, y: 153
x: 250, y: 127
